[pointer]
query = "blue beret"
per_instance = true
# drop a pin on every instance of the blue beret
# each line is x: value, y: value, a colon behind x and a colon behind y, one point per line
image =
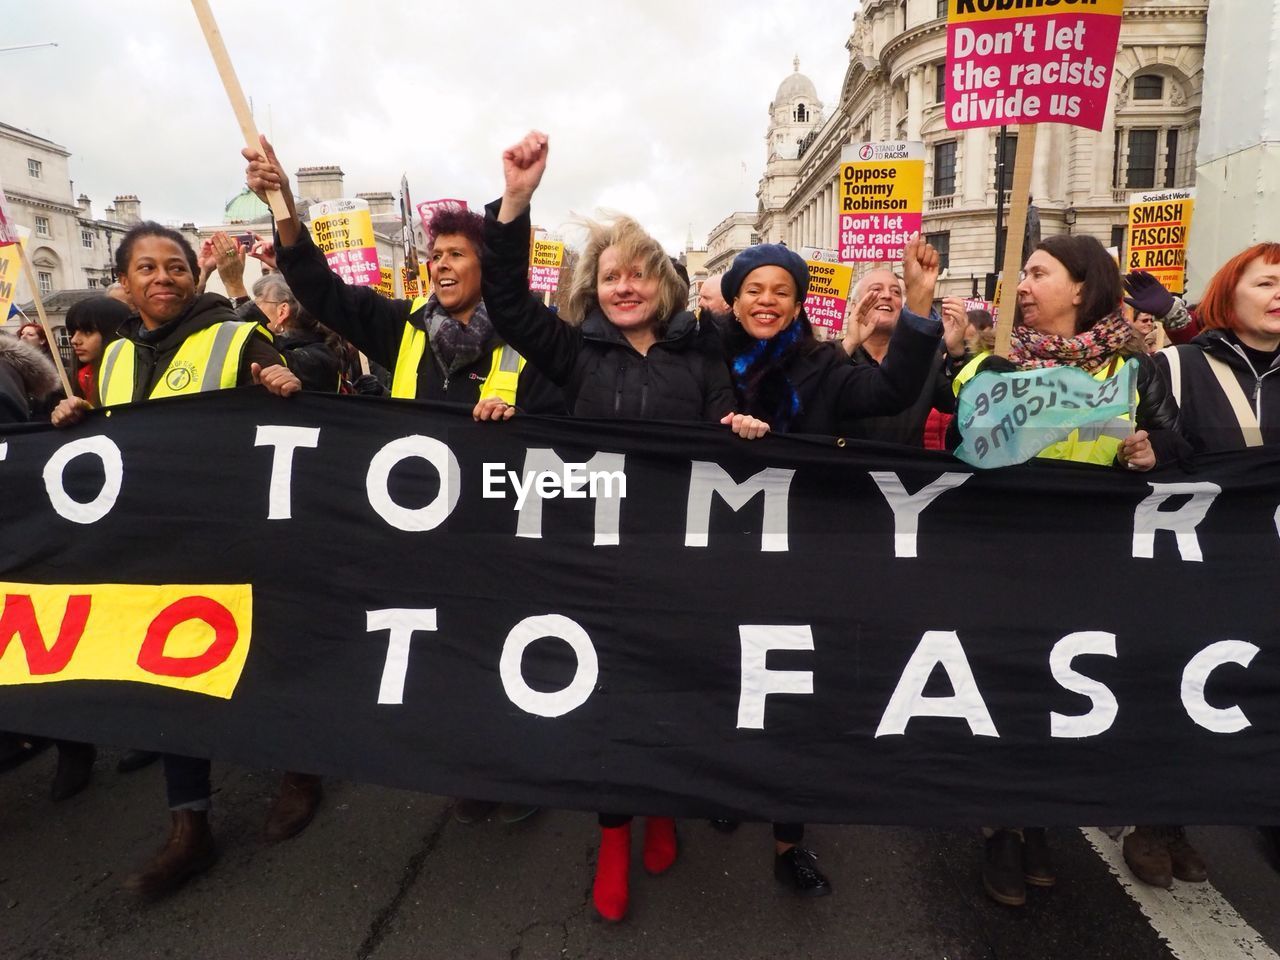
x: 765, y: 255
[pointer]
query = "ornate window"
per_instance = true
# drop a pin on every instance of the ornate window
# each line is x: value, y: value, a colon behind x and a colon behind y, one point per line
x: 944, y: 168
x: 1148, y: 86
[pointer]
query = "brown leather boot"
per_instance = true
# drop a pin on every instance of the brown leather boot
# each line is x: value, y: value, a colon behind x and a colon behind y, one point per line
x: 1188, y: 865
x: 295, y: 806
x: 1146, y: 851
x: 188, y: 851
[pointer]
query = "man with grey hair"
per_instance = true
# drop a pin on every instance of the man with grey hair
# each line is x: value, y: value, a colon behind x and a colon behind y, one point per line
x: 877, y: 301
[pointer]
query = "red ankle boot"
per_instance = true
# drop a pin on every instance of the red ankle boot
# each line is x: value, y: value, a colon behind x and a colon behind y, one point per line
x: 659, y: 844
x: 613, y: 867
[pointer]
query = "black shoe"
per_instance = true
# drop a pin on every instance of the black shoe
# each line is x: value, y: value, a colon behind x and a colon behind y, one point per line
x: 75, y: 766
x: 1037, y: 864
x: 472, y: 811
x: 798, y: 869
x: 1271, y: 837
x: 132, y: 760
x: 16, y: 749
x: 724, y: 826
x: 510, y: 813
x: 1002, y: 870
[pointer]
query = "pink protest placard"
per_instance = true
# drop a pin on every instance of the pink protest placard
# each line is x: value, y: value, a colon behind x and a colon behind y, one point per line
x: 544, y: 279
x: 1027, y: 61
x: 429, y: 208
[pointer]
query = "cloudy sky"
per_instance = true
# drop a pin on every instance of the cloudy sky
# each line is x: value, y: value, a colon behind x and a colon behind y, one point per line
x: 652, y: 107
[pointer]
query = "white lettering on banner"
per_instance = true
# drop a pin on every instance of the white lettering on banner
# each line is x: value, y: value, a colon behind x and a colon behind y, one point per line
x: 603, y: 479
x: 105, y: 449
x: 709, y: 478
x: 908, y: 507
x: 1148, y: 518
x: 537, y: 702
x: 1102, y: 713
x: 937, y: 648
x: 414, y: 520
x: 403, y: 624
x: 758, y: 681
x: 1196, y: 675
x: 285, y: 440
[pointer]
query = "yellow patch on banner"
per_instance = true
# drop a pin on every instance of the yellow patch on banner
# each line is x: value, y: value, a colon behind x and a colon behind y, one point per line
x: 192, y: 637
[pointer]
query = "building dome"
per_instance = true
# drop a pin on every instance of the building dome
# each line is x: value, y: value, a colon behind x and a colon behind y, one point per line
x: 796, y: 86
x: 245, y: 207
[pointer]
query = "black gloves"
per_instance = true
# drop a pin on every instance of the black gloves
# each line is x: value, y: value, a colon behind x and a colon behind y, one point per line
x: 1147, y: 295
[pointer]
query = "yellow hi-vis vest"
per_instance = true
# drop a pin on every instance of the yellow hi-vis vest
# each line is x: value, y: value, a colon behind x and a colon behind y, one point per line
x: 207, y: 360
x: 504, y: 369
x: 1092, y: 443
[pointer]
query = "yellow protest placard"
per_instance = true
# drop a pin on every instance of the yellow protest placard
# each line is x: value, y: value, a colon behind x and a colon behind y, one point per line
x: 343, y: 230
x: 1159, y: 225
x: 10, y: 269
x: 545, y: 259
x: 880, y: 200
x: 829, y: 285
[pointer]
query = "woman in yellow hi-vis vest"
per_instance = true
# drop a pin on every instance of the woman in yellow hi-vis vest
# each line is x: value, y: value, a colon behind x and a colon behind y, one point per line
x: 180, y: 343
x: 1069, y: 314
x: 442, y: 347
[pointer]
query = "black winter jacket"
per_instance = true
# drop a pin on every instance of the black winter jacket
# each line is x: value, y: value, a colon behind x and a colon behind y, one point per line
x: 156, y: 348
x: 1206, y: 415
x: 311, y: 360
x: 376, y: 326
x: 907, y: 427
x: 833, y: 391
x: 682, y: 377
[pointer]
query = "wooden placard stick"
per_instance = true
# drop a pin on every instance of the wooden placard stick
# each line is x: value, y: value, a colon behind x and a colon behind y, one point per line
x: 1016, y: 227
x: 44, y: 321
x: 221, y: 59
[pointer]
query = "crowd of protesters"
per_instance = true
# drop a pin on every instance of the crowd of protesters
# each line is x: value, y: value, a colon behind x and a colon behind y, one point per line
x: 625, y: 347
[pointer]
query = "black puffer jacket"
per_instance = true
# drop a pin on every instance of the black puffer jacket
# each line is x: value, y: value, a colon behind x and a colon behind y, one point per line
x: 1208, y: 421
x: 682, y: 377
x: 157, y: 348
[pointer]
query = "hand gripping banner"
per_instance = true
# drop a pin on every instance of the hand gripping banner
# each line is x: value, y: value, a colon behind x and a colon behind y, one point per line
x: 648, y: 618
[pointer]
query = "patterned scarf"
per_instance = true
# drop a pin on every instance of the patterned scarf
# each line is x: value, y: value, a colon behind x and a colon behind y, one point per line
x: 1090, y: 351
x: 760, y: 382
x: 456, y: 345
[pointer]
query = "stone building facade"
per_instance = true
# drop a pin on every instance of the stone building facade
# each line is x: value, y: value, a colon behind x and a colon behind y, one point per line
x: 894, y: 89
x: 69, y: 247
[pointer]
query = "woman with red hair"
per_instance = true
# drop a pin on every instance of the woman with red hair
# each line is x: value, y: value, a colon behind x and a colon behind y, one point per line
x: 1227, y: 380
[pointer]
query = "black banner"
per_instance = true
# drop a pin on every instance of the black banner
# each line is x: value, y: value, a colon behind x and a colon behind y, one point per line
x: 646, y: 618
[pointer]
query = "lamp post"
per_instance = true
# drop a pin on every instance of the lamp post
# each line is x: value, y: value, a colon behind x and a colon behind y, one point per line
x: 1069, y: 218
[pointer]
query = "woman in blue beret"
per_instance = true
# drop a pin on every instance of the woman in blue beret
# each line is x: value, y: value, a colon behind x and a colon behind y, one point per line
x: 788, y: 379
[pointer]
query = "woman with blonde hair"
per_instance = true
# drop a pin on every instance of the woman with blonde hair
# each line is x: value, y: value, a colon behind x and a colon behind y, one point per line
x: 625, y: 349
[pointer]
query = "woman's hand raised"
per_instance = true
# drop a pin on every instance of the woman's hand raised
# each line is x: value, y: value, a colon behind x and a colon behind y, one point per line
x: 523, y: 165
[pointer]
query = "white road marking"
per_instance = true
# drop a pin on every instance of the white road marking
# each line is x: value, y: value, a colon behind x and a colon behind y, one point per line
x: 1193, y: 918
